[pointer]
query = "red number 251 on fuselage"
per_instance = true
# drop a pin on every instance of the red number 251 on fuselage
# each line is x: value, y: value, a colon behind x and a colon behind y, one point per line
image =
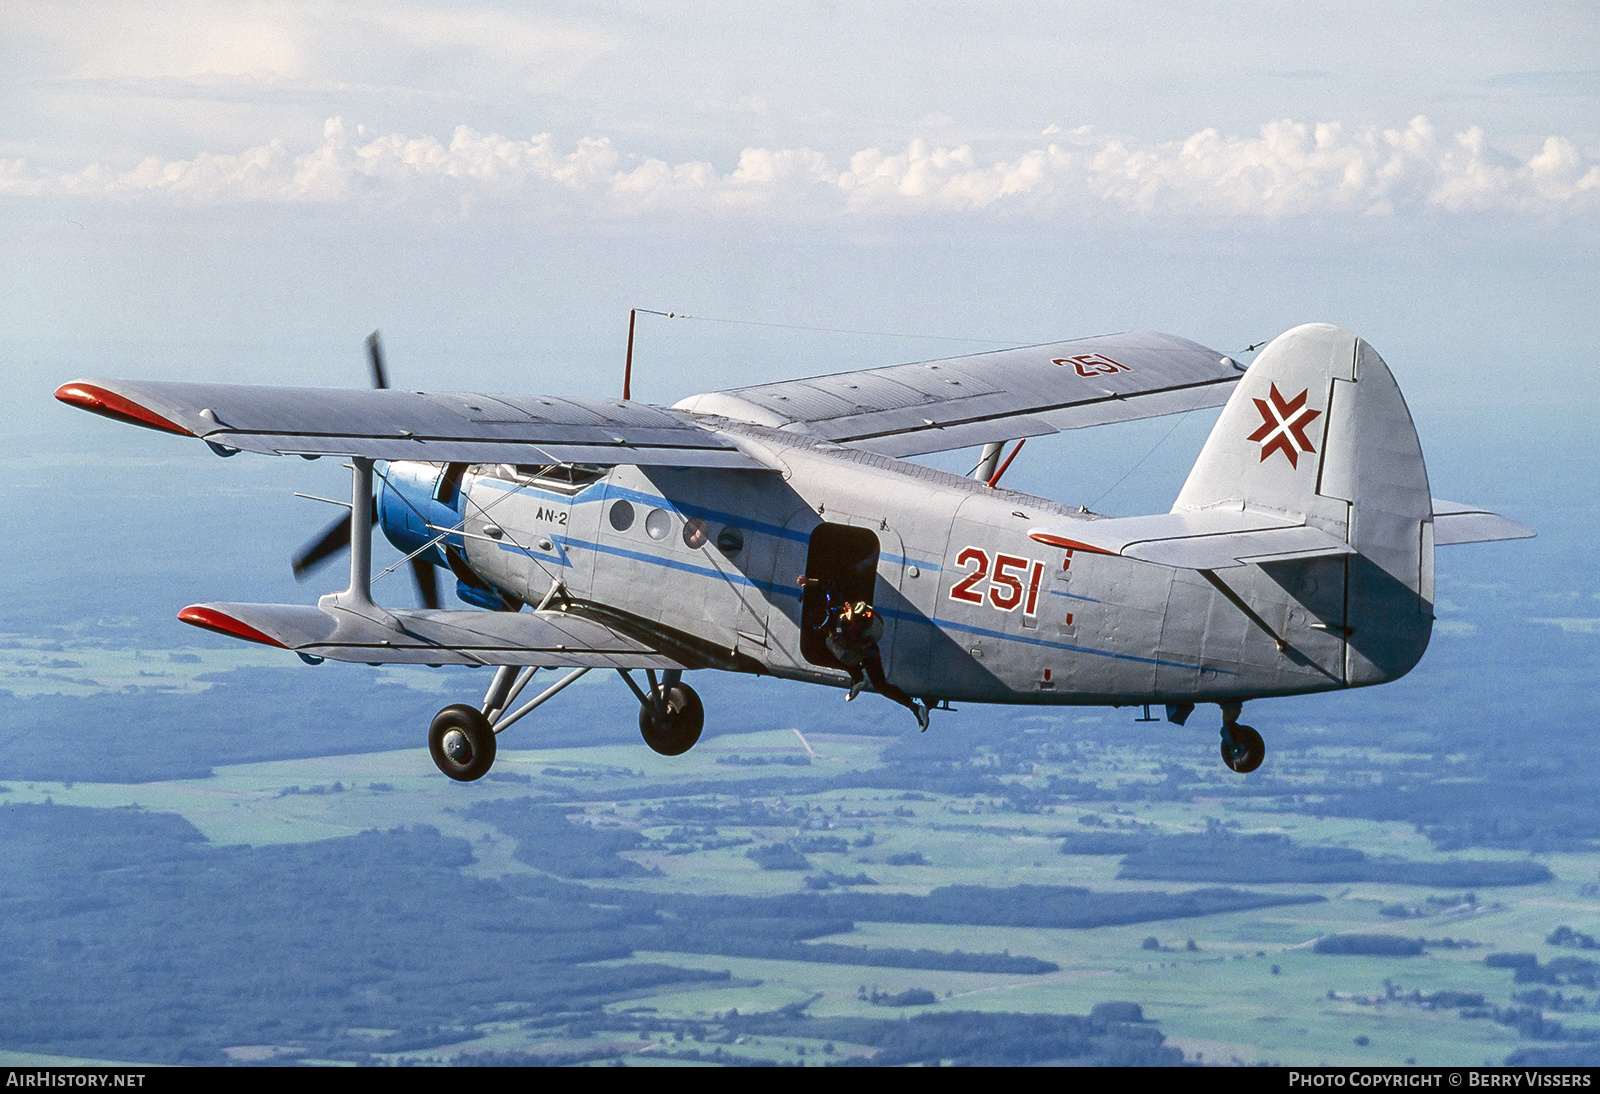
x: 1006, y: 591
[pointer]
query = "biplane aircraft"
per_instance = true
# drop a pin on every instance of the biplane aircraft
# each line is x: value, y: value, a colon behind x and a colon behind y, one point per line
x: 611, y: 534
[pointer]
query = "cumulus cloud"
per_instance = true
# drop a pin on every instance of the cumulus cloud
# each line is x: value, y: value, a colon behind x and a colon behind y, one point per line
x: 1286, y: 169
x: 1572, y: 625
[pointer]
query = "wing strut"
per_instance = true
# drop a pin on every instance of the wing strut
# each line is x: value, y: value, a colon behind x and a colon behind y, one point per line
x: 988, y: 460
x: 360, y: 590
x: 504, y: 721
x: 358, y: 597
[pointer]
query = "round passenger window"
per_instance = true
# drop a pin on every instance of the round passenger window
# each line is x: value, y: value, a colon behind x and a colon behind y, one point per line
x: 658, y: 525
x: 695, y: 533
x: 730, y: 541
x: 621, y: 516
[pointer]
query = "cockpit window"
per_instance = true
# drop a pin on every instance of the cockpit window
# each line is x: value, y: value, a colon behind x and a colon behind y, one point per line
x: 565, y: 477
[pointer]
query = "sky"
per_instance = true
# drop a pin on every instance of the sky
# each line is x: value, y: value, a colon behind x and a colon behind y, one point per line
x: 242, y: 191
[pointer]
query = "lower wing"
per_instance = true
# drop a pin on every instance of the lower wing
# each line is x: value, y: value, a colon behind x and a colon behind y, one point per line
x: 550, y: 639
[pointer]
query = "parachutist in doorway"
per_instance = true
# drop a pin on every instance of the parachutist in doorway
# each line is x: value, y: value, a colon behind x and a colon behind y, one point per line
x: 851, y: 631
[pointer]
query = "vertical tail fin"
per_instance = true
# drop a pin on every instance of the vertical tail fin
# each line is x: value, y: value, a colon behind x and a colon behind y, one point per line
x: 1318, y: 427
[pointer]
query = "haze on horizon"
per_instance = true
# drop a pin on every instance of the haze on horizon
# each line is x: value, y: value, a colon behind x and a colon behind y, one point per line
x: 245, y: 189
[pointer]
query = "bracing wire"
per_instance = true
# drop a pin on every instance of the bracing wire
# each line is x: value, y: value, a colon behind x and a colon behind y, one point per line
x: 1181, y: 417
x: 483, y: 510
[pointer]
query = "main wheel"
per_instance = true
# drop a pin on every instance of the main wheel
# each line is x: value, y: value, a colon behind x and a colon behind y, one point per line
x: 461, y: 742
x: 1242, y: 748
x: 674, y: 730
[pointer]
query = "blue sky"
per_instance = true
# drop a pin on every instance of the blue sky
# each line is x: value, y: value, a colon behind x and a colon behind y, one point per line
x: 243, y: 190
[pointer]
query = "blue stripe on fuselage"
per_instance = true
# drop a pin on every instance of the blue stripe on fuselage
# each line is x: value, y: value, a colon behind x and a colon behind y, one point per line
x: 794, y: 592
x: 734, y: 578
x: 1073, y: 596
x: 605, y: 492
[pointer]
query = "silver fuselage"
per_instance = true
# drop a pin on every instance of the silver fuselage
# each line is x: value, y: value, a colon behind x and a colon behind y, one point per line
x: 976, y: 611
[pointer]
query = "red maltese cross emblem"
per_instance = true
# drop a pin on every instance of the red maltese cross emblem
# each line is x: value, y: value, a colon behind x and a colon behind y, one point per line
x: 1283, y: 425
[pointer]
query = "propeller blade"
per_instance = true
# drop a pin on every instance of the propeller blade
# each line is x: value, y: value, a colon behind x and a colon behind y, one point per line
x: 380, y: 375
x: 334, y: 538
x: 427, y: 579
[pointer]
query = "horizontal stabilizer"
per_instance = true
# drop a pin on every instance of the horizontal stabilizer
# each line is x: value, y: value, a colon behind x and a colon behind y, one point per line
x: 430, y: 427
x: 1208, y: 539
x: 548, y: 639
x: 1457, y: 523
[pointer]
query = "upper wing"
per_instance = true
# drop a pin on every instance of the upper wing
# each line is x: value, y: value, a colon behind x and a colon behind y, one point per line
x: 1206, y: 539
x: 547, y: 639
x: 1457, y: 523
x: 411, y: 425
x: 935, y: 406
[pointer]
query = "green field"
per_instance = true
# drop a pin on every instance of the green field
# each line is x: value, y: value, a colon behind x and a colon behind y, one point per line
x: 1234, y: 987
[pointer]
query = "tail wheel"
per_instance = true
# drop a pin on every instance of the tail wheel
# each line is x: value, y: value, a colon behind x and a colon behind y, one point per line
x: 672, y: 724
x: 461, y: 742
x: 1242, y: 748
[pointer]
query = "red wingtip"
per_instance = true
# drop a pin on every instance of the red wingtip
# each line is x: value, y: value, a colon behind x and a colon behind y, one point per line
x: 197, y: 615
x: 1069, y: 544
x: 97, y: 400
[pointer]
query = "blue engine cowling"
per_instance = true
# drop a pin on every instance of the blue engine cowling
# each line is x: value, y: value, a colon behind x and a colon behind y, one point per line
x: 415, y: 495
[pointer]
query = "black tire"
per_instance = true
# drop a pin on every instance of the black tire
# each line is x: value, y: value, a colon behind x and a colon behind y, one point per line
x: 461, y: 742
x: 1242, y: 749
x: 675, y: 731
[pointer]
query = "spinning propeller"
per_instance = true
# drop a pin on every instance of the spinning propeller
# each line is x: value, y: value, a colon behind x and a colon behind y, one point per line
x: 336, y: 537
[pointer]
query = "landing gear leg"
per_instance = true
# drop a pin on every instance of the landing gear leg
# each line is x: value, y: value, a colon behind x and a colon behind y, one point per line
x: 461, y: 739
x: 1242, y: 747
